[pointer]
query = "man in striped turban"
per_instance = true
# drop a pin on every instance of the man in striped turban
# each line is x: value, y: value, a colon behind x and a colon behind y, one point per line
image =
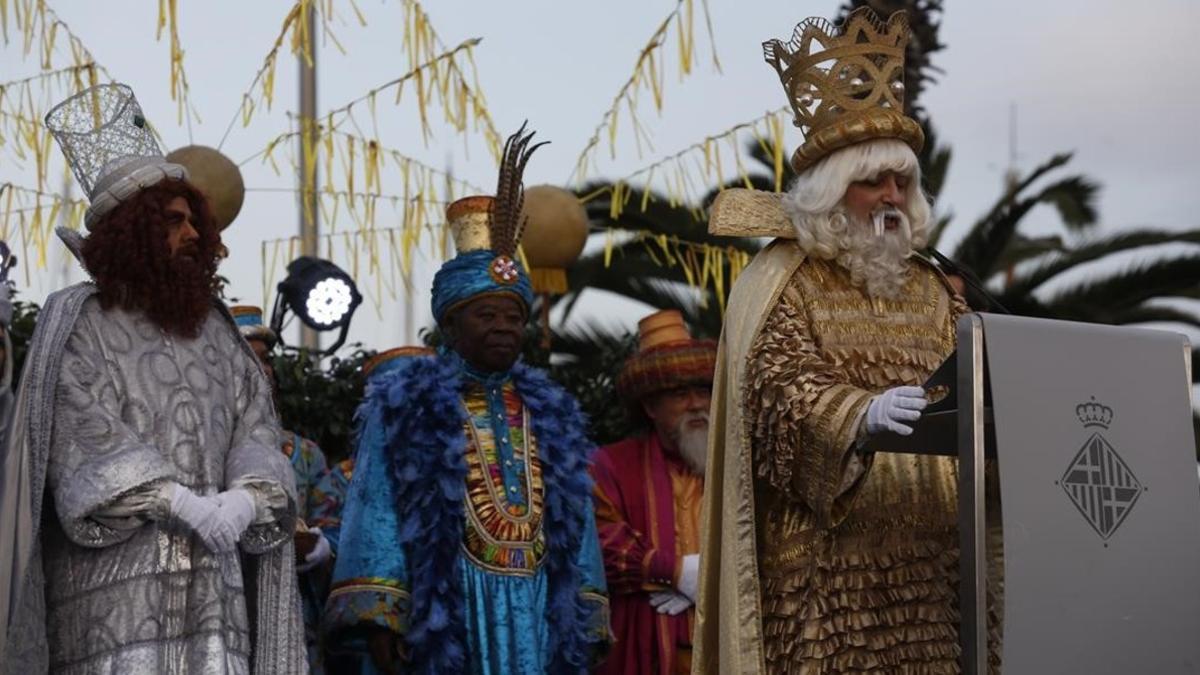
x: 648, y: 496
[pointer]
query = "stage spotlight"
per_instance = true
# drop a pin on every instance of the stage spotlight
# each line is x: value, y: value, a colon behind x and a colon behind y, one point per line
x: 321, y: 294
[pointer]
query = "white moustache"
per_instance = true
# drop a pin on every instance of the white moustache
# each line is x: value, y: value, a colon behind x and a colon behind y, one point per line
x: 880, y: 216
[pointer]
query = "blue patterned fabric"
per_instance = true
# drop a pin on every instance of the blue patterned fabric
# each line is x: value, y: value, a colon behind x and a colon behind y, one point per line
x: 400, y: 565
x: 308, y: 465
x: 468, y: 275
x: 330, y: 495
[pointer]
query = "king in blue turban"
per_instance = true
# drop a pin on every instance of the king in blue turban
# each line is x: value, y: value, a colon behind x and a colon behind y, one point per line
x: 468, y: 543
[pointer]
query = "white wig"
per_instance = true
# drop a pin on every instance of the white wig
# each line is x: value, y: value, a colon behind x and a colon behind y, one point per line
x: 814, y: 202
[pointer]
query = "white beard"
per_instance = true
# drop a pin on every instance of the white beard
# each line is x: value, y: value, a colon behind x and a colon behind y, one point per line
x: 877, y: 262
x: 693, y: 443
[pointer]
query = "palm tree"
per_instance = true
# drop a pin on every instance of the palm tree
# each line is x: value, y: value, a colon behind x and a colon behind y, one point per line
x: 635, y: 269
x: 1031, y: 276
x: 587, y: 358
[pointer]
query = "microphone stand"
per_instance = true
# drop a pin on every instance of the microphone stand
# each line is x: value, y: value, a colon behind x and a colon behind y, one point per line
x: 967, y: 276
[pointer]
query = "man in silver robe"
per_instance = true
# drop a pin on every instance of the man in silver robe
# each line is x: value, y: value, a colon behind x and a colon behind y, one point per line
x: 146, y: 513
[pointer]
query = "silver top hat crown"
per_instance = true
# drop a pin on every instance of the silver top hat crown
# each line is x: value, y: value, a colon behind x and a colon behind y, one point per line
x: 109, y: 145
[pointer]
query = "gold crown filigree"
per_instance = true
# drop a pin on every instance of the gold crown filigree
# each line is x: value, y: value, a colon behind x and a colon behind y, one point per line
x: 845, y: 82
x: 1093, y: 414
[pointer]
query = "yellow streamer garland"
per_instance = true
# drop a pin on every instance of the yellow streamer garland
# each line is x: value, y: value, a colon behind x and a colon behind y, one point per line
x: 685, y: 176
x: 39, y: 27
x: 647, y: 74
x: 294, y: 29
x: 436, y: 76
x: 703, y: 265
x: 356, y: 155
x: 168, y: 15
x: 30, y: 215
x: 438, y: 67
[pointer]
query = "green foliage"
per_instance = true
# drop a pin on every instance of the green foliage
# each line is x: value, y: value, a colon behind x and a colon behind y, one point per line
x: 587, y: 363
x: 318, y: 402
x: 24, y: 320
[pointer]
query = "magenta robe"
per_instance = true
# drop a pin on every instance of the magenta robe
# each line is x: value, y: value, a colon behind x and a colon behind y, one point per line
x: 635, y: 516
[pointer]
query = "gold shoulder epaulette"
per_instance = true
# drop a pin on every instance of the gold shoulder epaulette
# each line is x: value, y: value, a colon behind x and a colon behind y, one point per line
x: 739, y: 212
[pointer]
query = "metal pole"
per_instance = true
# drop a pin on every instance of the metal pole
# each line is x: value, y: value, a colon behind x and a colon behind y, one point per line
x: 972, y: 591
x: 309, y: 206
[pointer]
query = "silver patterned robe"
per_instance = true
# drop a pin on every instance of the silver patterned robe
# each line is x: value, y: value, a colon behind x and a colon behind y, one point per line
x: 127, y: 589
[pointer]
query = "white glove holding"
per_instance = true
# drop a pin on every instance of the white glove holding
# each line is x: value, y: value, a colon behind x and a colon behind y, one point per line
x: 202, y: 515
x: 689, y: 576
x: 319, y: 554
x: 238, y: 510
x: 895, y: 410
x: 669, y: 602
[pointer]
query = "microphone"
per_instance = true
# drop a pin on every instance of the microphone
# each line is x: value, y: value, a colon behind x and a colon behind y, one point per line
x: 967, y: 276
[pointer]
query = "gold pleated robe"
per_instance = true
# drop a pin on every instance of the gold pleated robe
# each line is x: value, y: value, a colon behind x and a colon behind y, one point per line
x: 813, y: 559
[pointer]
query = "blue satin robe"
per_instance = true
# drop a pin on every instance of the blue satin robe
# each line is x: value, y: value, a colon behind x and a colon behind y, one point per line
x: 507, y: 633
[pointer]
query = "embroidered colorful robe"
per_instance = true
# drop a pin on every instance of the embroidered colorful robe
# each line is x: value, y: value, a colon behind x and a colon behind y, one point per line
x: 467, y: 529
x: 329, y: 497
x: 308, y: 466
x: 647, y: 513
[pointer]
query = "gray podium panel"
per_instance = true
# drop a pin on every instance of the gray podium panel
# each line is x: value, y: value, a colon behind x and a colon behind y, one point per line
x: 1100, y: 499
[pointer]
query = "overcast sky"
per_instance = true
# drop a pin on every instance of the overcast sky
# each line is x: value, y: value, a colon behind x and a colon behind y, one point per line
x: 1111, y: 81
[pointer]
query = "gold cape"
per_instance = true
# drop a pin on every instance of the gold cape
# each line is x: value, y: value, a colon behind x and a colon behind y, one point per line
x: 728, y: 637
x: 729, y: 632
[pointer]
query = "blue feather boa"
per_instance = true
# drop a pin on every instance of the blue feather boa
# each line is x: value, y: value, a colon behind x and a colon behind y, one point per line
x: 423, y: 416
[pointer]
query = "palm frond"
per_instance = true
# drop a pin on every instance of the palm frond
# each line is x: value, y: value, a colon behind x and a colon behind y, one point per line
x: 1023, y: 249
x: 589, y: 338
x: 1075, y: 200
x: 1145, y: 313
x: 972, y: 241
x: 986, y: 243
x: 1115, y: 293
x: 1091, y: 251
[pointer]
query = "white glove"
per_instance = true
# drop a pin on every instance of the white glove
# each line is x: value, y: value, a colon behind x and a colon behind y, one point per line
x: 319, y: 554
x: 689, y: 576
x: 895, y: 410
x: 202, y: 515
x: 238, y: 510
x: 669, y: 602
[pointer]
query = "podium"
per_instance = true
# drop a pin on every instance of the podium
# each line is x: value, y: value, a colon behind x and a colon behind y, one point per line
x: 1091, y: 430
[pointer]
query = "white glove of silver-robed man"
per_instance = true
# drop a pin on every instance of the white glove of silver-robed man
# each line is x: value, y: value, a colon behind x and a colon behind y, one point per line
x: 895, y: 410
x: 203, y: 516
x: 238, y: 509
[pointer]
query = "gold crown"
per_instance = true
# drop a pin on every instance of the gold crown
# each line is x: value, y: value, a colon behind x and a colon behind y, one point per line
x: 845, y: 83
x: 1092, y: 414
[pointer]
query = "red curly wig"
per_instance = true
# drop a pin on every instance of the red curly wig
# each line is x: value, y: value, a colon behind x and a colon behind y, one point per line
x: 128, y: 257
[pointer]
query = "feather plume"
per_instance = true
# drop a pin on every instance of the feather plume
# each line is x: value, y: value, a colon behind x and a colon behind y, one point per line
x: 506, y: 223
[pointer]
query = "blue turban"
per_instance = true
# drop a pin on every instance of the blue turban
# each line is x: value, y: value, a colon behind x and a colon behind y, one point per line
x: 469, y: 275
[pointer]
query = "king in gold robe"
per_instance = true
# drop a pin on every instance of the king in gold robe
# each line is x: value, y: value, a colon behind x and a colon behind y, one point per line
x: 817, y: 559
